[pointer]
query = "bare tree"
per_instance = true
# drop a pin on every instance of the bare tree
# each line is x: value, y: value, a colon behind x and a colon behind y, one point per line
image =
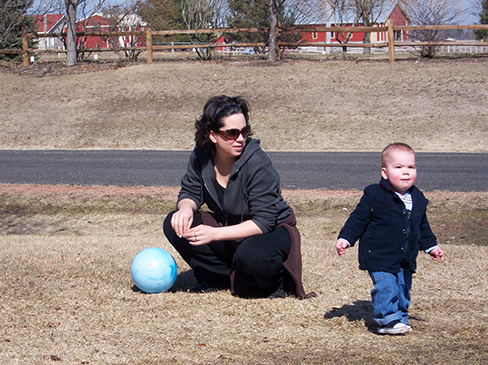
x: 344, y: 14
x: 72, y: 9
x: 274, y: 9
x: 297, y: 11
x: 476, y: 8
x: 431, y: 12
x: 203, y: 14
x: 71, y: 54
x: 125, y: 18
x: 369, y: 12
x: 274, y: 23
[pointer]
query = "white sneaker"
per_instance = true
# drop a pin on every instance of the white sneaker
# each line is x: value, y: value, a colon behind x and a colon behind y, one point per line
x: 397, y: 329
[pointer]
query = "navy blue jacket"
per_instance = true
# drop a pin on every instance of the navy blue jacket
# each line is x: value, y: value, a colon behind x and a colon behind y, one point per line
x: 390, y: 237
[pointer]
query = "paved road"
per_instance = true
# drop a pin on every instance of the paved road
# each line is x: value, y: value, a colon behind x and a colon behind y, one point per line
x: 298, y: 170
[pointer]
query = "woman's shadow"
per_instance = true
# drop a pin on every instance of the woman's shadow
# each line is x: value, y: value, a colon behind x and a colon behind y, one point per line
x: 357, y: 311
x: 184, y: 281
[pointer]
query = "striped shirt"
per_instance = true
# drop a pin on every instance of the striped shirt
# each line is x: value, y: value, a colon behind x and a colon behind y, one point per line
x: 406, y: 199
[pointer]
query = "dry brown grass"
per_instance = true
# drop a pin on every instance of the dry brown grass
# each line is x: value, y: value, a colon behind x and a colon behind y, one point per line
x: 65, y: 252
x: 67, y: 296
x: 437, y: 105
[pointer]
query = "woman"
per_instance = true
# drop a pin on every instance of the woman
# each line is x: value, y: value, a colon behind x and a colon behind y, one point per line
x: 247, y: 240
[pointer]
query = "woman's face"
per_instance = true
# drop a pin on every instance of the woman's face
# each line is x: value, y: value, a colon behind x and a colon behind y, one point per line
x: 225, y: 140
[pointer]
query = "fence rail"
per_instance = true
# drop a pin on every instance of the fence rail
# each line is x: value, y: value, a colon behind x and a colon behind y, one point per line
x: 150, y: 47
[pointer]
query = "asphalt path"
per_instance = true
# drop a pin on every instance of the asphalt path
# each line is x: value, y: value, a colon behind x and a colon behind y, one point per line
x: 298, y: 170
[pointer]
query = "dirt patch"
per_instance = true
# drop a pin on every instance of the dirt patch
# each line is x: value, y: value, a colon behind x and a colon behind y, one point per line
x: 44, y: 69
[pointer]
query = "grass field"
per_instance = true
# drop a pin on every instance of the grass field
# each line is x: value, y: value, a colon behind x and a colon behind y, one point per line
x: 65, y: 251
x: 437, y: 106
x: 67, y: 294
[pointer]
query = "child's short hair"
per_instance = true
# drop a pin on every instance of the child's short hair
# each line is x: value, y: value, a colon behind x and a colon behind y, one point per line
x: 392, y: 147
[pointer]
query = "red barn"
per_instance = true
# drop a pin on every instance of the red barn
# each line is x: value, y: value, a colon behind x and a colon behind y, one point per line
x: 50, y: 23
x: 395, y: 13
x: 100, y: 23
x: 56, y: 23
x: 94, y: 23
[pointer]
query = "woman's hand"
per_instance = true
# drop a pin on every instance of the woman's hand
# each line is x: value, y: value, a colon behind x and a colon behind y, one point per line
x: 182, y: 219
x: 201, y: 235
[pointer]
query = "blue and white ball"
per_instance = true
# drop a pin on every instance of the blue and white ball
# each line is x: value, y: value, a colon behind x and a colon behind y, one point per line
x: 153, y: 270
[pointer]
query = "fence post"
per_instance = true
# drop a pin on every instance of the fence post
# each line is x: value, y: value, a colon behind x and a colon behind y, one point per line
x: 25, y: 48
x: 391, y: 41
x: 149, y: 44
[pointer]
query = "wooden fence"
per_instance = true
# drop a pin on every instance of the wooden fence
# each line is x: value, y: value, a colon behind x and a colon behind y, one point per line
x: 149, y: 47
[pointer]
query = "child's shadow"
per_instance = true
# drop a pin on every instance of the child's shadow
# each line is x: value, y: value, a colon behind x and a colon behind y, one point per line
x: 357, y: 311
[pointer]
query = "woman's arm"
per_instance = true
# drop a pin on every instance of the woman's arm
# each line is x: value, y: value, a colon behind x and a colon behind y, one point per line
x: 203, y: 234
x: 182, y: 219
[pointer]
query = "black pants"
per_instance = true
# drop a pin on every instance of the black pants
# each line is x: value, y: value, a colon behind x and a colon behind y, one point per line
x: 261, y: 256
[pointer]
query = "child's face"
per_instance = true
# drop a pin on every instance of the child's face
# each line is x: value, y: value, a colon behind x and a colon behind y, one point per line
x: 400, y: 170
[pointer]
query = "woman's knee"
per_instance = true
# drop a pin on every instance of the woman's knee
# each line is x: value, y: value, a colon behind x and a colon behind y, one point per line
x: 169, y: 231
x: 255, y: 261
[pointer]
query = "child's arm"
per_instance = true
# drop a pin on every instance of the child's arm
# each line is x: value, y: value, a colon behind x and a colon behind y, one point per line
x: 341, y: 246
x: 355, y: 225
x: 436, y: 254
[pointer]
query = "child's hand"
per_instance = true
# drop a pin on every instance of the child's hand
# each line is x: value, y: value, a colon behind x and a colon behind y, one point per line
x: 437, y: 253
x: 341, y: 246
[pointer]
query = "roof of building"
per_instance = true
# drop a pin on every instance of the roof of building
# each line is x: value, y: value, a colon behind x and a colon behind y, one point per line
x: 44, y: 23
x: 385, y: 11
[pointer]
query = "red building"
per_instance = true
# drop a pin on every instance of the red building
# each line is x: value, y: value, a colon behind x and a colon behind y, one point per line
x: 56, y: 23
x: 100, y: 23
x: 46, y: 24
x: 395, y: 13
x: 94, y: 23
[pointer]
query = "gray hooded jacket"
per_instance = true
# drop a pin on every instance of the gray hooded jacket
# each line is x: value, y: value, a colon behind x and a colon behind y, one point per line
x: 252, y: 192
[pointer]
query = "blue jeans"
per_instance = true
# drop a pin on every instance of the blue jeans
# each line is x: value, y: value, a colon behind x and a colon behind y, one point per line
x: 391, y: 296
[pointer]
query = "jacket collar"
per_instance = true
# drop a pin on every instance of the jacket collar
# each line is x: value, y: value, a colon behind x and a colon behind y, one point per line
x: 208, y: 172
x: 252, y: 145
x: 385, y: 184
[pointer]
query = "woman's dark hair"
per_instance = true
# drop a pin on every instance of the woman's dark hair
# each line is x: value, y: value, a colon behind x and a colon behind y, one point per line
x: 216, y: 109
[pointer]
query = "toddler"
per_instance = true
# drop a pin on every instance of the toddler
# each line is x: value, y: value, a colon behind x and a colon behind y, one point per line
x: 391, y: 224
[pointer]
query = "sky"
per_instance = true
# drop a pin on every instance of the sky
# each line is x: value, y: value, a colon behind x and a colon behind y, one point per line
x: 470, y: 18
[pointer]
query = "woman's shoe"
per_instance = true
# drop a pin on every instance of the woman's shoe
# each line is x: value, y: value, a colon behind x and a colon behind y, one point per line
x: 202, y: 288
x: 279, y: 293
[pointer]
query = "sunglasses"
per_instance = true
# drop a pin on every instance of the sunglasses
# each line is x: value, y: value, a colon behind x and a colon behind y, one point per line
x: 234, y: 133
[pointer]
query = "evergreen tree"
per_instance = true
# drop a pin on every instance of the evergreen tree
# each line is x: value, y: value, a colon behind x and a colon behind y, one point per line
x: 161, y: 14
x: 13, y: 19
x: 482, y: 34
x: 249, y: 14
